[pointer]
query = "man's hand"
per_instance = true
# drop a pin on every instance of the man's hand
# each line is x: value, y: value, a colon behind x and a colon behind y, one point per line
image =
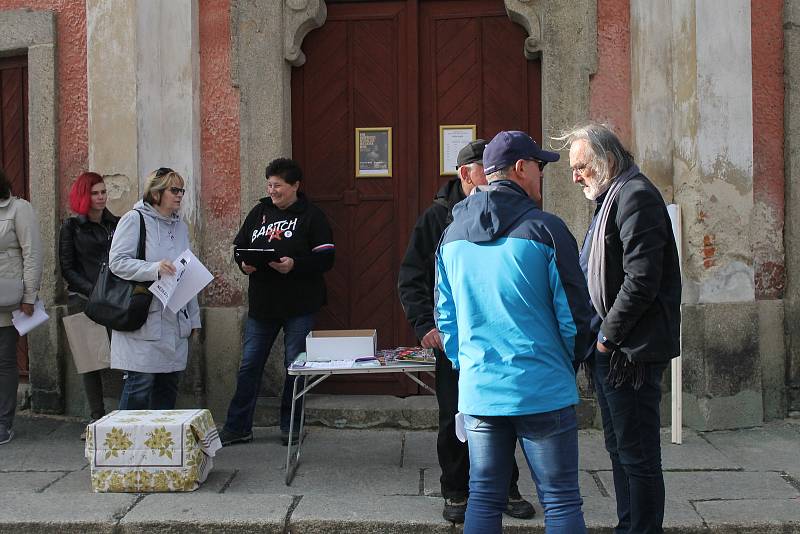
x: 248, y: 269
x: 432, y: 340
x: 284, y: 266
x: 603, y: 348
x: 27, y: 309
x: 195, y: 335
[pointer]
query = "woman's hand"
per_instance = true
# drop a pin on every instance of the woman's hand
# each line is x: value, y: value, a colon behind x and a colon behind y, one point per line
x: 165, y: 268
x: 27, y: 309
x: 284, y: 266
x: 248, y: 269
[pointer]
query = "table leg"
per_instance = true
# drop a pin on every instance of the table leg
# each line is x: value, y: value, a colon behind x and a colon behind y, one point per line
x: 293, y: 457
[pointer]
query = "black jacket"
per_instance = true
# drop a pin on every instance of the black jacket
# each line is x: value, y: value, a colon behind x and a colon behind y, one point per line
x: 83, y: 247
x: 643, y: 277
x: 300, y: 232
x: 416, y: 279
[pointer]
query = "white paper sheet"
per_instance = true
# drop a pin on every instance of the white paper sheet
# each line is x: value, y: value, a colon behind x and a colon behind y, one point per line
x: 25, y: 323
x: 190, y: 277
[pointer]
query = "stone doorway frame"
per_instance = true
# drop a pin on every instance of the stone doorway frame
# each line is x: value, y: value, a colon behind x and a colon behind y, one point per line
x: 33, y: 33
x: 267, y: 39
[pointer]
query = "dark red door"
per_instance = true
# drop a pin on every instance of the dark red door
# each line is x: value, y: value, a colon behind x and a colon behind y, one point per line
x: 412, y: 66
x: 14, y: 145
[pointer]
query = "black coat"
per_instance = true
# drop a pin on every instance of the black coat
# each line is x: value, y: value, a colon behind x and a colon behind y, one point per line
x: 301, y: 232
x: 643, y: 278
x: 83, y: 247
x: 416, y: 279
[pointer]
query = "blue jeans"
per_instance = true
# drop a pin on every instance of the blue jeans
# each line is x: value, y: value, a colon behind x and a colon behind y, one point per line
x: 632, y: 430
x: 149, y: 391
x: 258, y: 339
x: 550, y: 443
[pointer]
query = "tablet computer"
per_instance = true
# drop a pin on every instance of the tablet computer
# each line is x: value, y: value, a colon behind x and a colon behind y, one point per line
x: 257, y: 257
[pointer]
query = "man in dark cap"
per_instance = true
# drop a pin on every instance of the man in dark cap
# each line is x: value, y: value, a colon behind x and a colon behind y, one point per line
x: 513, y: 312
x: 416, y: 283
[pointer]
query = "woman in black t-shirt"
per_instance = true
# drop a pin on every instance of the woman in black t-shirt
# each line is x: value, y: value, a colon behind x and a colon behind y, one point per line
x: 283, y: 294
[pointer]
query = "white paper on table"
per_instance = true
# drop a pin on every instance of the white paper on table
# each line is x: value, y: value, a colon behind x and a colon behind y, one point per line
x: 25, y: 323
x: 190, y: 277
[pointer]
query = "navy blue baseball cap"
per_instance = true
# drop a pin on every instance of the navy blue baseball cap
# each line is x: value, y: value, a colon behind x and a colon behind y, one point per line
x: 507, y: 147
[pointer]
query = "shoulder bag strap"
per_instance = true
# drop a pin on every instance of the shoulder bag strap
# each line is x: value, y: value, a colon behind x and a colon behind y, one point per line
x: 142, y: 237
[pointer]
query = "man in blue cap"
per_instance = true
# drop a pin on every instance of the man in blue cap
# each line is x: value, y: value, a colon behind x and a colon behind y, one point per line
x: 415, y: 286
x: 513, y: 312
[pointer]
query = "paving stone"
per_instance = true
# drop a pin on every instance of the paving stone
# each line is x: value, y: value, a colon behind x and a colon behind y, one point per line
x: 32, y: 448
x: 337, y: 515
x: 351, y: 478
x: 751, y: 513
x: 367, y: 447
x: 197, y: 512
x: 592, y: 454
x: 419, y: 450
x: 29, y: 482
x: 74, y: 482
x: 694, y: 453
x: 773, y: 447
x: 703, y: 485
x: 43, y: 512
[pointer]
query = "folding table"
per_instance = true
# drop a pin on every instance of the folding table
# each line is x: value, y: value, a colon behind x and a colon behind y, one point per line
x: 318, y: 374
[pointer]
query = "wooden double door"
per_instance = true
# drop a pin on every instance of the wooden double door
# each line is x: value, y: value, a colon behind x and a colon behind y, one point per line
x: 413, y: 66
x: 14, y: 146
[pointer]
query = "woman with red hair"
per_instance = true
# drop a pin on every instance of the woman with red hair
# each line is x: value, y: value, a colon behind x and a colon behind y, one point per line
x: 84, y: 242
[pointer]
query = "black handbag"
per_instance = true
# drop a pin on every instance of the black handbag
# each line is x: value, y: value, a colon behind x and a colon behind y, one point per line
x: 117, y: 303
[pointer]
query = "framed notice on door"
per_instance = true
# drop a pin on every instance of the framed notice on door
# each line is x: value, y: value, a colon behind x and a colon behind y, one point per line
x: 374, y: 152
x: 452, y: 138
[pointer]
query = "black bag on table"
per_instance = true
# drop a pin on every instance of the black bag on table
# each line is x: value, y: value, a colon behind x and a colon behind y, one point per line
x: 117, y: 303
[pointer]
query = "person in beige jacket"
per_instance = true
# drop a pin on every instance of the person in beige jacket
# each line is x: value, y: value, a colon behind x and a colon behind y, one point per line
x: 20, y: 258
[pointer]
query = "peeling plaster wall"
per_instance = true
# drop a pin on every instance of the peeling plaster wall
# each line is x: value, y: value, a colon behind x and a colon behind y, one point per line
x: 715, y: 183
x: 768, y: 138
x: 219, y: 110
x: 113, y: 129
x: 610, y: 100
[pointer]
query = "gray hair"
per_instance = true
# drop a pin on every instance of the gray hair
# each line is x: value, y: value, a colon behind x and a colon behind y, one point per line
x: 500, y: 174
x: 608, y: 157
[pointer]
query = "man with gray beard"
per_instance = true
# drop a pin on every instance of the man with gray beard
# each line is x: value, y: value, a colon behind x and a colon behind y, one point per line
x: 633, y: 274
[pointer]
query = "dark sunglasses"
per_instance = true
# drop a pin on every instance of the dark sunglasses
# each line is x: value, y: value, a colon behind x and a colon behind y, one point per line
x: 177, y: 190
x: 541, y: 164
x: 161, y: 171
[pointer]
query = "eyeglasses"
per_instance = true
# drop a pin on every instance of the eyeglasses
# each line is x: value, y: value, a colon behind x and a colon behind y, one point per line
x: 177, y: 190
x: 579, y: 168
x: 540, y: 163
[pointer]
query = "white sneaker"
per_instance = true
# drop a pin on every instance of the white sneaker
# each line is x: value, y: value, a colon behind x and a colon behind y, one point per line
x: 6, y: 435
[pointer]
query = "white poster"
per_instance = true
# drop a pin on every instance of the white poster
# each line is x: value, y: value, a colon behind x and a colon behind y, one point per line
x: 453, y: 138
x: 190, y: 277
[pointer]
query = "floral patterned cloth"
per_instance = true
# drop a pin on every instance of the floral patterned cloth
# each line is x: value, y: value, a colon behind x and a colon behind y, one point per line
x: 151, y: 450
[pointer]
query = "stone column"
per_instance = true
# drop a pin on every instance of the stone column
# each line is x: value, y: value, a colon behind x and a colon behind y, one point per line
x: 143, y: 102
x: 693, y: 135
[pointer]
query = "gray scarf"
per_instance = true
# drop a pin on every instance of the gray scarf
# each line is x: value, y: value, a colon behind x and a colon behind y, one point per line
x: 621, y: 368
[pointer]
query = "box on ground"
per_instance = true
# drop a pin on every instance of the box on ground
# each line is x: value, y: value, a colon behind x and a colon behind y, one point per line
x: 326, y: 345
x: 151, y: 450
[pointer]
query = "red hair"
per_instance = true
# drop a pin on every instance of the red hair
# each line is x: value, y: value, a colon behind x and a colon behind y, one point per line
x: 80, y: 196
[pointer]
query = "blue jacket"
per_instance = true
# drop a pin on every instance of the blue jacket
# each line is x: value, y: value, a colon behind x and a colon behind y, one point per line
x: 512, y: 304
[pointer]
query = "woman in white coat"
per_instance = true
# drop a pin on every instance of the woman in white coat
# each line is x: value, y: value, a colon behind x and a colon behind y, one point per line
x: 153, y: 356
x: 20, y: 278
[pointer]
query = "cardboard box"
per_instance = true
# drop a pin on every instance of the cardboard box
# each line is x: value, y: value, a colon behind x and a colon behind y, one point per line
x: 326, y: 345
x: 151, y: 450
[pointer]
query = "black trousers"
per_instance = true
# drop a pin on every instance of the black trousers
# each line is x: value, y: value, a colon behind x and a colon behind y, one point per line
x: 453, y: 454
x: 9, y: 375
